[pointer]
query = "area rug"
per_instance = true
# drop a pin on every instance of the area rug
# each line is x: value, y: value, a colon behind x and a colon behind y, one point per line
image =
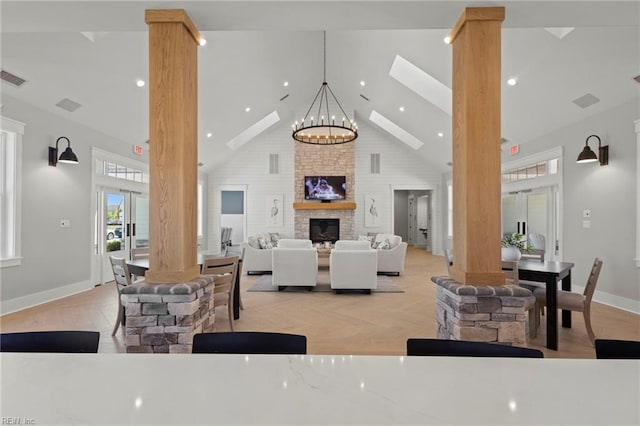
x: 264, y: 283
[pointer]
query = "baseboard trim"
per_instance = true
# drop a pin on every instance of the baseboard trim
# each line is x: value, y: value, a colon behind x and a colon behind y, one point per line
x: 612, y: 300
x: 30, y: 300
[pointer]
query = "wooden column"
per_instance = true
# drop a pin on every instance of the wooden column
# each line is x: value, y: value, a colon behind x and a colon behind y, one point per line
x: 476, y: 146
x: 173, y: 150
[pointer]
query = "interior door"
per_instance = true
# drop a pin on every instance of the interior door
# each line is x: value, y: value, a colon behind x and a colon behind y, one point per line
x: 532, y: 211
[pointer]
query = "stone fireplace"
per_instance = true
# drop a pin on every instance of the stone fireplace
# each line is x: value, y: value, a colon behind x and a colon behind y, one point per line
x: 321, y: 230
x: 327, y: 160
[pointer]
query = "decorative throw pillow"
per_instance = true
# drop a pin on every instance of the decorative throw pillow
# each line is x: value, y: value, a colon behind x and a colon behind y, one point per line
x: 383, y: 245
x: 275, y: 237
x: 264, y: 243
x: 366, y: 238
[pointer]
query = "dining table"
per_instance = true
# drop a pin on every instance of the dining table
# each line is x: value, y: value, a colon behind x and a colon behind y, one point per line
x: 140, y: 266
x: 549, y: 272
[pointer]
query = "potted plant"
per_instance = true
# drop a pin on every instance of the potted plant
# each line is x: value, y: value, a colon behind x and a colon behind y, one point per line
x: 513, y: 245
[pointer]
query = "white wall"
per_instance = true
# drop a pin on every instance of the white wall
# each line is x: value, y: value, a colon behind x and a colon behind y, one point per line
x: 610, y: 193
x: 250, y: 166
x: 55, y: 261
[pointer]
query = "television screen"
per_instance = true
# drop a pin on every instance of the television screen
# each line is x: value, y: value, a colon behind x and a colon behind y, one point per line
x: 325, y: 188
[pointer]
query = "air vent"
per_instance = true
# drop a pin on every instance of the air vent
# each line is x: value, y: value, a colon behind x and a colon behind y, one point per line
x: 273, y: 164
x: 284, y: 97
x: 586, y: 100
x: 364, y: 97
x: 375, y: 163
x: 68, y: 105
x: 637, y: 78
x: 12, y: 79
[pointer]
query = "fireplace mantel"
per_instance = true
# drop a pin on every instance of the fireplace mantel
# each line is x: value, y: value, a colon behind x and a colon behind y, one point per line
x: 343, y: 205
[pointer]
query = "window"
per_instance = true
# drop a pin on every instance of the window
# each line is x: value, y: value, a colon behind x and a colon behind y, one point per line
x: 10, y: 197
x: 123, y: 172
x: 531, y: 171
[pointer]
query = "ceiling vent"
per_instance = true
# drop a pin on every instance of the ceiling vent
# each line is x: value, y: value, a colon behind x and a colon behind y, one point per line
x: 586, y: 100
x: 12, y: 79
x: 637, y: 78
x: 364, y: 97
x: 68, y: 105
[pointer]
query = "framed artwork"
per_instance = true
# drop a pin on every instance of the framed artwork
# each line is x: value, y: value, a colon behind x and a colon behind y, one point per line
x: 275, y: 210
x: 371, y: 211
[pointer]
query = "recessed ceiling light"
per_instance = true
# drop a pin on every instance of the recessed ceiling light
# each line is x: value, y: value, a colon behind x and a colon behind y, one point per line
x: 362, y: 83
x: 140, y: 83
x: 203, y: 41
x: 209, y: 135
x: 440, y: 134
x: 401, y: 109
x: 512, y: 82
x: 285, y: 84
x: 247, y: 109
x: 447, y: 40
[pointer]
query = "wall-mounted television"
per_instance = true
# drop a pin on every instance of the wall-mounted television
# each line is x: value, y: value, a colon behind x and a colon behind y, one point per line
x: 325, y: 188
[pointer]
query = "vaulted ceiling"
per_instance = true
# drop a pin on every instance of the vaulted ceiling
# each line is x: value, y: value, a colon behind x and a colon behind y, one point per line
x: 93, y: 52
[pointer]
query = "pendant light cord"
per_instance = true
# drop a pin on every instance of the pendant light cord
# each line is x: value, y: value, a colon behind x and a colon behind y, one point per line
x: 324, y: 33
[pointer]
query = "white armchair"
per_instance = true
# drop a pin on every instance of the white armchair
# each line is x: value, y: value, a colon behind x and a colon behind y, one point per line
x: 391, y: 259
x: 353, y: 265
x: 294, y: 263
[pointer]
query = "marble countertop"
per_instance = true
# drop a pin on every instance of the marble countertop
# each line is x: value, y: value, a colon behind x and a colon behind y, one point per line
x: 157, y: 389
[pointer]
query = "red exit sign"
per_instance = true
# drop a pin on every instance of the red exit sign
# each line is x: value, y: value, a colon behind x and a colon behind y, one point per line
x: 138, y: 150
x: 514, y: 149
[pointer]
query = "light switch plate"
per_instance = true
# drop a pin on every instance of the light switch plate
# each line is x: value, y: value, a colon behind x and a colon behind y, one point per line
x: 586, y: 213
x: 65, y: 223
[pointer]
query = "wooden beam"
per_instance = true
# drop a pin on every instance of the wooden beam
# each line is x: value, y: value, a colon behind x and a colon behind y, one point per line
x: 173, y: 150
x: 476, y: 147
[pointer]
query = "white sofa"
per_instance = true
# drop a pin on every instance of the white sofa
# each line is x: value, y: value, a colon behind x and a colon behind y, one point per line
x: 390, y: 260
x: 294, y: 263
x: 353, y: 265
x: 257, y: 259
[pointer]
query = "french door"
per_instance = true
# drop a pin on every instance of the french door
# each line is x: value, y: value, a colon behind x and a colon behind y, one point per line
x: 533, y: 211
x: 122, y: 223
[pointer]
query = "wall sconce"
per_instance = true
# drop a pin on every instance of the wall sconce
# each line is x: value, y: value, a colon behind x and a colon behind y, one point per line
x: 588, y: 156
x: 66, y: 157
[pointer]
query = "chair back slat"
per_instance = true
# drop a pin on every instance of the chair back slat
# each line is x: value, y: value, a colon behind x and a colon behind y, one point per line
x: 590, y: 288
x: 120, y: 272
x: 139, y: 253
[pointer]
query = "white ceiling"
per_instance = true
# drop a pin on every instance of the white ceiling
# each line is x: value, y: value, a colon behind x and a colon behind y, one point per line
x: 253, y: 47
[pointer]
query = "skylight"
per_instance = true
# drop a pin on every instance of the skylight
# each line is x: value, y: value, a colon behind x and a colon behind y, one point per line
x: 254, y: 130
x: 395, y: 130
x: 421, y: 83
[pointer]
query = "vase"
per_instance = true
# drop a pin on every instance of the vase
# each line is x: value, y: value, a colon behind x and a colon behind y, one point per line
x: 511, y: 253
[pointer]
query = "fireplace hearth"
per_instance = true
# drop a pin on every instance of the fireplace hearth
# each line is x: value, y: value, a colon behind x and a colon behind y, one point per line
x: 321, y: 230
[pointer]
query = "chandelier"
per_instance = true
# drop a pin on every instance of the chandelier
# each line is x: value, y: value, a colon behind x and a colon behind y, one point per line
x: 326, y: 128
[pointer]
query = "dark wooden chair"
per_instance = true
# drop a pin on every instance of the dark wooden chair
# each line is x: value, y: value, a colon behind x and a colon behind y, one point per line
x: 50, y: 341
x: 438, y: 347
x: 249, y: 342
x: 617, y: 349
